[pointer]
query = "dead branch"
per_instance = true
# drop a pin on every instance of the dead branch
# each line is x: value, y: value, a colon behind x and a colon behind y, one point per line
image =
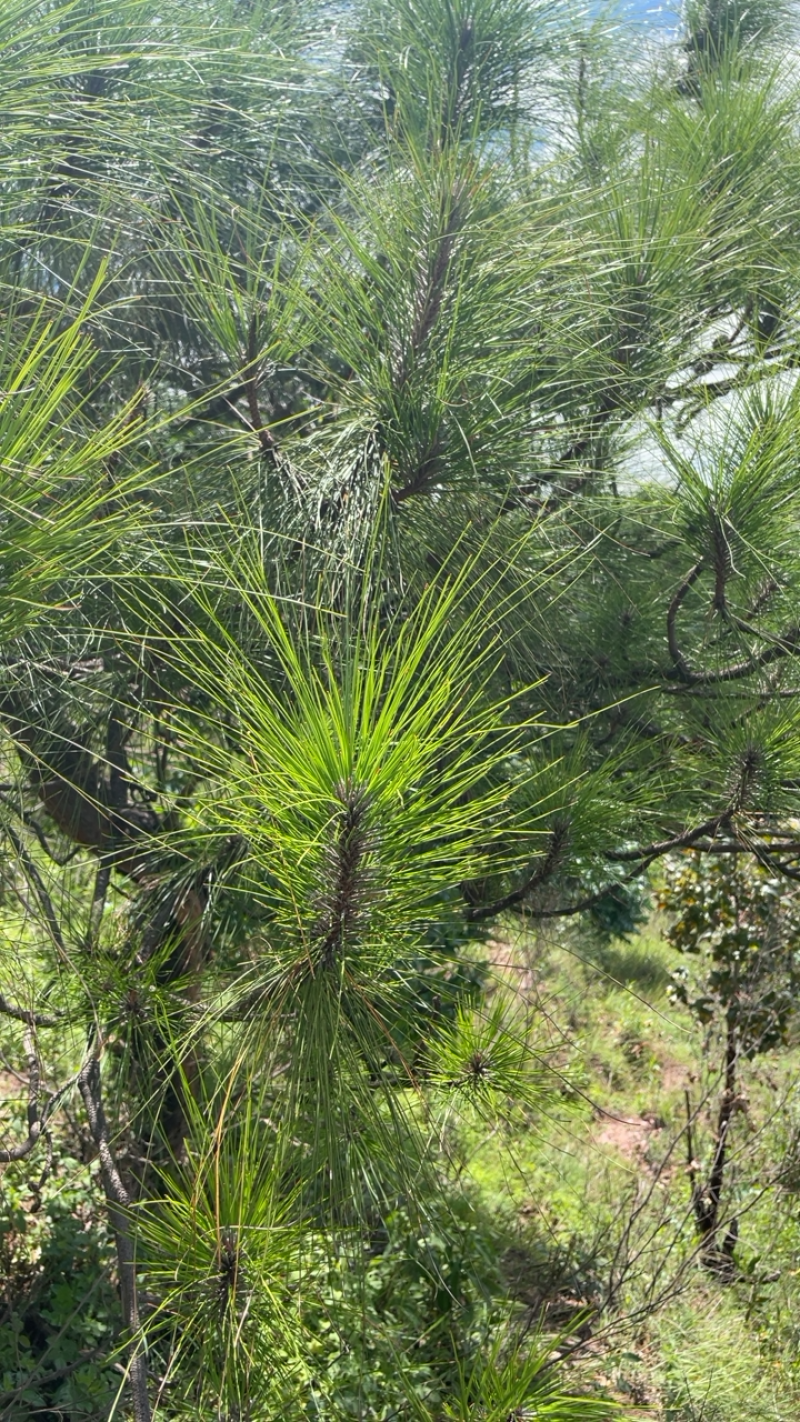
x: 118, y: 1201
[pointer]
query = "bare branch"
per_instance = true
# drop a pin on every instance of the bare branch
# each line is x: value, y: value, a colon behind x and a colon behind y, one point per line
x: 685, y: 840
x: 119, y: 1201
x: 91, y: 1091
x: 681, y: 666
x: 31, y: 1019
x: 25, y: 1147
x: 37, y: 884
x: 691, y: 1163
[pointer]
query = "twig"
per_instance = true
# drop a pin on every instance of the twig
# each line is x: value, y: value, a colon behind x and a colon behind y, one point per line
x: 119, y: 1202
x: 31, y: 1019
x: 25, y: 1147
x: 265, y: 437
x: 785, y: 645
x: 543, y: 871
x: 101, y: 883
x: 681, y: 666
x: 37, y: 884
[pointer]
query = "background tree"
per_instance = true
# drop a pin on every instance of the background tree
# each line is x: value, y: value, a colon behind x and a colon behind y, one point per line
x: 741, y: 920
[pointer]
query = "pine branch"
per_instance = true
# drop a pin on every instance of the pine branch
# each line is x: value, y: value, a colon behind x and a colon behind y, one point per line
x: 32, y: 1019
x: 658, y: 848
x: 681, y: 666
x: 538, y: 876
x: 251, y: 382
x: 786, y: 645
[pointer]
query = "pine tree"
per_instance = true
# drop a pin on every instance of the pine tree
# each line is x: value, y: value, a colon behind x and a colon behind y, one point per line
x: 398, y: 442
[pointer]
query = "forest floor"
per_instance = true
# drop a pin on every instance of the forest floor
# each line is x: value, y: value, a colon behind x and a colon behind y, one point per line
x: 585, y: 1196
x: 594, y: 1188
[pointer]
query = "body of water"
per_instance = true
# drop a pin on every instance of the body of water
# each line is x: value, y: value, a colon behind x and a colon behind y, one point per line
x: 664, y: 14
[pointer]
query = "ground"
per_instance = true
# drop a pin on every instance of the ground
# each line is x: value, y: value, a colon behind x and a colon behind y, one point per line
x: 583, y: 1197
x: 595, y: 1194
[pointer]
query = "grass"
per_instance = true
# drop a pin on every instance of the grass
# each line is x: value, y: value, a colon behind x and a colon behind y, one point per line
x: 593, y: 1196
x: 582, y: 1199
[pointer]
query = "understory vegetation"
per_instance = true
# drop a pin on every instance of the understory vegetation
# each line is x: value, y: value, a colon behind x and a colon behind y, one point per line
x: 399, y: 574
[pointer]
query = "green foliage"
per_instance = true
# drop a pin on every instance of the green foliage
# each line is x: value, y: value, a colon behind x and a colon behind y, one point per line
x: 749, y: 1385
x: 399, y: 433
x: 365, y: 775
x: 220, y: 1247
x: 427, y: 1295
x: 451, y: 70
x: 483, y: 1061
x: 716, y: 26
x: 619, y: 911
x: 60, y: 1314
x: 743, y: 922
